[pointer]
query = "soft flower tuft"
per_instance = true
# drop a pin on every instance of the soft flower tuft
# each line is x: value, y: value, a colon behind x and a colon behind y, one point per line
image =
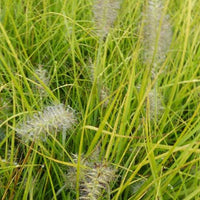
x: 96, y: 180
x: 104, y: 93
x: 95, y: 177
x: 71, y: 174
x: 155, y: 101
x: 52, y: 119
x: 157, y: 34
x: 43, y: 75
x: 105, y: 13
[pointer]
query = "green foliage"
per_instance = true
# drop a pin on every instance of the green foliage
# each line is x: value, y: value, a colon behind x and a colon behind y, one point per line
x: 153, y: 157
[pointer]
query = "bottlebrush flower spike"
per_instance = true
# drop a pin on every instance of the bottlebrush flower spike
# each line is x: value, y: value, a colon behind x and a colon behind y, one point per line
x: 105, y: 13
x: 72, y: 172
x: 53, y: 118
x: 95, y: 177
x: 104, y: 93
x: 157, y: 34
x: 155, y: 102
x: 43, y: 75
x: 96, y: 181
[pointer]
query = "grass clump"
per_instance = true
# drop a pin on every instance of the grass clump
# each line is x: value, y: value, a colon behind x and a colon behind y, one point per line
x: 130, y: 71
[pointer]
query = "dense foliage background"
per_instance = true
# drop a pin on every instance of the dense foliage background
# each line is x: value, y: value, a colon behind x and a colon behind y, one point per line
x: 53, y: 53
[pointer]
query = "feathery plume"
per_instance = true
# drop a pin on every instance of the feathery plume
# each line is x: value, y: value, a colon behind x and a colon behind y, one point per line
x: 157, y: 39
x: 91, y: 70
x: 157, y: 34
x: 96, y: 181
x: 155, y: 102
x: 53, y: 118
x: 95, y: 178
x: 42, y: 74
x: 71, y: 174
x: 105, y: 13
x: 104, y: 96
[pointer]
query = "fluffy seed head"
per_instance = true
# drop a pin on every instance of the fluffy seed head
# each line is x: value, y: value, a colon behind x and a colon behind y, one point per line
x: 43, y: 75
x: 95, y: 177
x: 96, y: 180
x: 53, y: 118
x: 104, y: 93
x: 157, y: 34
x: 91, y: 70
x: 155, y: 102
x: 71, y: 174
x: 105, y: 13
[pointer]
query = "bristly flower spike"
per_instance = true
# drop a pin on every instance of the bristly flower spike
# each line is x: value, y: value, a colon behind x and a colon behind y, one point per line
x: 157, y: 39
x: 52, y: 119
x: 105, y: 13
x: 95, y: 177
x: 157, y: 34
x: 43, y: 75
x: 155, y: 102
x: 97, y: 180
